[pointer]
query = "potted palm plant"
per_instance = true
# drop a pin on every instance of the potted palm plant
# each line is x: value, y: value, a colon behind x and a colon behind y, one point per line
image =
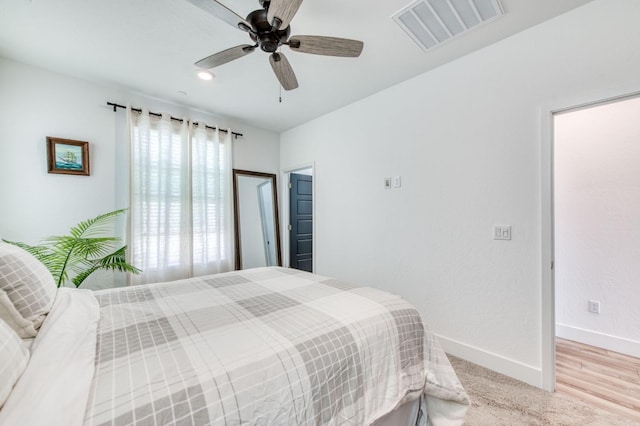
x: 85, y: 250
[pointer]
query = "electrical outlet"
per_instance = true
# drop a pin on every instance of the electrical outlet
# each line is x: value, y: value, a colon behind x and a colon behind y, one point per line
x: 594, y: 306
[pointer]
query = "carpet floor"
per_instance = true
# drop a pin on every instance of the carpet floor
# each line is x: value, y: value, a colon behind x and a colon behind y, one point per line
x: 500, y: 400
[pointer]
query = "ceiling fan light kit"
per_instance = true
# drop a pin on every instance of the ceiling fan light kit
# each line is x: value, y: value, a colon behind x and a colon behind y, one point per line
x: 269, y: 29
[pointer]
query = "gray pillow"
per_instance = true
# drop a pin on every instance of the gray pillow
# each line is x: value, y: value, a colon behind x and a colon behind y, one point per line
x: 27, y: 290
x: 13, y: 360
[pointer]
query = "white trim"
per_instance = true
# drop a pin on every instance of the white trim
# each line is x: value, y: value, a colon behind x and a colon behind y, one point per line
x: 284, y: 217
x: 547, y: 310
x: 601, y: 340
x: 506, y: 366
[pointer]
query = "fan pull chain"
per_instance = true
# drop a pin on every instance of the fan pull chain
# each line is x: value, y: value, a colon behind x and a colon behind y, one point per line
x: 279, y: 84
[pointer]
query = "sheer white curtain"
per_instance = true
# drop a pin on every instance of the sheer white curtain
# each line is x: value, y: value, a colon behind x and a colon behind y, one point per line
x: 180, y: 207
x: 211, y: 201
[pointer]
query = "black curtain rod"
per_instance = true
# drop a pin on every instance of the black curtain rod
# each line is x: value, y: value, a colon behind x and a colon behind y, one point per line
x: 116, y: 106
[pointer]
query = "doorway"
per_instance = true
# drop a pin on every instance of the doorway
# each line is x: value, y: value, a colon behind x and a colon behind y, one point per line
x: 595, y: 235
x: 299, y: 223
x: 596, y: 187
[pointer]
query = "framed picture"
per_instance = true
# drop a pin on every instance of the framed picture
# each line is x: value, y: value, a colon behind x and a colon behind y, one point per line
x: 67, y: 157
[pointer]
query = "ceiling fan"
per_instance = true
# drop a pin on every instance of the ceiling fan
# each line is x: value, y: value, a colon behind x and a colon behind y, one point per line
x: 269, y: 29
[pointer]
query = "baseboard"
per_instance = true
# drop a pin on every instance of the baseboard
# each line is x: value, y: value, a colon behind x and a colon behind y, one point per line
x: 601, y: 340
x: 506, y: 366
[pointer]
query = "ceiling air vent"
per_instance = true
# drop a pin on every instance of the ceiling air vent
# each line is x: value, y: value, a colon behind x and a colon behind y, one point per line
x: 432, y: 22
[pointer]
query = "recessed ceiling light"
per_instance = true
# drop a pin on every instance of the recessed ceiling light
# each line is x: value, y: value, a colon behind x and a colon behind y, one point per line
x: 205, y: 75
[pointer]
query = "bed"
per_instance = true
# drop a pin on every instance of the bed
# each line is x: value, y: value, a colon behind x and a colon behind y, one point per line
x: 266, y: 346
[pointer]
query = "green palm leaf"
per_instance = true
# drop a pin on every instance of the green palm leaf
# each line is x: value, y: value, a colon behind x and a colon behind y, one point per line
x: 115, y: 261
x: 96, y: 226
x: 76, y: 256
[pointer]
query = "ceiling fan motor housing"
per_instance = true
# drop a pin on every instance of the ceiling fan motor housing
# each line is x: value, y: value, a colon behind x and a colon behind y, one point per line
x: 268, y: 38
x: 269, y: 28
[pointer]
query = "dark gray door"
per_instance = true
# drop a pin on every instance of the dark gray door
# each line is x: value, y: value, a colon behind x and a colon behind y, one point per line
x: 301, y: 222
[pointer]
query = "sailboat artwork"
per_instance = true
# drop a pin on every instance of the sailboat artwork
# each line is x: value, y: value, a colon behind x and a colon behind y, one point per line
x: 67, y: 156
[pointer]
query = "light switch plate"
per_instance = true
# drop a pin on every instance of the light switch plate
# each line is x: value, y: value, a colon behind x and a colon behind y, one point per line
x: 387, y: 183
x: 502, y: 232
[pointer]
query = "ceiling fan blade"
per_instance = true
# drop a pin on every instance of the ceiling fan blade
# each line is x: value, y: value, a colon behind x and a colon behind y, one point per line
x: 220, y: 11
x: 283, y: 71
x: 282, y: 11
x: 225, y: 56
x: 330, y: 46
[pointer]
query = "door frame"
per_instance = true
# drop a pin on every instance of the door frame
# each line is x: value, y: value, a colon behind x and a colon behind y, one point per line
x: 286, y: 202
x: 547, y: 258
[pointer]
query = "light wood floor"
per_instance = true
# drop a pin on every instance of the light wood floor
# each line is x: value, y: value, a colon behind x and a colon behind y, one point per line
x: 602, y: 378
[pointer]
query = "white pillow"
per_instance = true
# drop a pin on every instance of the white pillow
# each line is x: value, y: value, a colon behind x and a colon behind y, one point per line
x: 13, y: 360
x: 27, y: 290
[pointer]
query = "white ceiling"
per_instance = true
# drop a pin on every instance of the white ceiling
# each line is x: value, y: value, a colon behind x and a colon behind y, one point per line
x: 149, y: 46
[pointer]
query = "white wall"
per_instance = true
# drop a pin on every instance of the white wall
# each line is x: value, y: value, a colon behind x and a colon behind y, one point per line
x: 597, y: 224
x: 35, y: 103
x: 466, y: 140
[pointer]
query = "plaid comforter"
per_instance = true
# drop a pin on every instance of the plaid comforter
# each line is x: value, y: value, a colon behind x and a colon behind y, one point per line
x: 268, y: 346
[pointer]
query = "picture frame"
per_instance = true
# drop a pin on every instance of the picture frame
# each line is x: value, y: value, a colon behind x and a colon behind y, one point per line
x: 68, y: 157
